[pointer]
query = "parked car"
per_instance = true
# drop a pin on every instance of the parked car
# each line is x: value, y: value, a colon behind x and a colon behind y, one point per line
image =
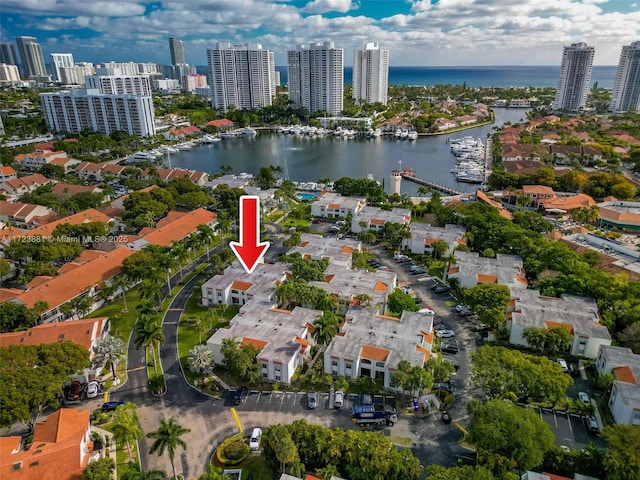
x: 449, y: 347
x: 465, y: 313
x: 317, y: 220
x: 584, y: 398
x: 419, y: 271
x: 462, y: 306
x: 93, y: 388
x: 312, y: 400
x: 440, y: 326
x: 592, y: 424
x: 441, y: 289
x: 240, y: 396
x: 563, y: 365
x: 445, y: 333
x: 426, y: 311
x: 447, y: 386
x: 254, y: 440
x: 414, y: 267
x: 338, y: 399
x: 74, y: 391
x: 111, y: 406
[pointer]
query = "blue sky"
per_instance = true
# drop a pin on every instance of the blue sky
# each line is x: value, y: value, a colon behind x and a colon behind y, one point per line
x: 418, y: 32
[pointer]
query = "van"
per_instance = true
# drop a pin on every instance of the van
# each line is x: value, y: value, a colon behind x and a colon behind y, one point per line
x: 338, y: 400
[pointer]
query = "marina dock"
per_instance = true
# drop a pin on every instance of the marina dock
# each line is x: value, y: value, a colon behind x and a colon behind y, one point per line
x: 409, y: 175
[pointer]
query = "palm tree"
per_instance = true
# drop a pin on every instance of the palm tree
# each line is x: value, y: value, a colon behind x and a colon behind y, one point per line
x: 167, y: 437
x: 179, y: 252
x: 206, y: 233
x: 126, y: 425
x: 148, y: 332
x: 200, y: 359
x: 109, y: 350
x: 135, y: 472
x: 325, y: 328
x: 150, y: 289
x: 121, y: 282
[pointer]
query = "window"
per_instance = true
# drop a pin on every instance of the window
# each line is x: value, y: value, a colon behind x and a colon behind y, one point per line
x: 380, y: 364
x: 265, y: 366
x: 235, y: 300
x: 277, y: 378
x: 334, y: 363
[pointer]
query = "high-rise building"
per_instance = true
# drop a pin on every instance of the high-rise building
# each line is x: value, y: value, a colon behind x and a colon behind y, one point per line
x: 9, y: 74
x: 78, y: 110
x: 191, y: 82
x: 242, y: 76
x: 316, y: 77
x: 180, y: 70
x: 31, y: 55
x: 59, y: 60
x: 626, y: 88
x: 177, y: 51
x: 75, y: 75
x: 8, y: 53
x: 111, y: 81
x: 575, y: 75
x: 370, y: 74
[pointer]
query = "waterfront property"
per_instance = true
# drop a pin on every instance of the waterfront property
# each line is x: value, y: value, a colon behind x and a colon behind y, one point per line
x: 470, y: 269
x: 424, y: 236
x: 333, y: 205
x: 338, y: 252
x: 374, y: 218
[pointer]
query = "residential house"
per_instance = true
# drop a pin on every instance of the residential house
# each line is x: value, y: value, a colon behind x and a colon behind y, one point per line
x: 374, y: 218
x: 166, y: 174
x: 67, y: 164
x: 78, y: 278
x: 619, y: 215
x: 424, y: 236
x: 520, y: 103
x: 565, y: 204
x: 69, y: 190
x: 232, y: 181
x: 236, y: 287
x: 175, y: 227
x: 13, y: 189
x: 7, y: 173
x: 333, y: 205
x: 444, y: 124
x: 465, y: 120
x: 282, y: 336
x: 624, y: 400
x: 539, y: 193
x: 579, y: 315
x: 46, y: 230
x: 179, y: 134
x: 98, y: 172
x: 484, y: 198
x: 35, y: 160
x: 25, y: 215
x: 220, y: 124
x: 593, y: 154
x: 338, y: 252
x: 565, y: 153
x: 372, y: 345
x: 60, y: 449
x: 522, y: 167
x: 470, y: 269
x: 519, y: 151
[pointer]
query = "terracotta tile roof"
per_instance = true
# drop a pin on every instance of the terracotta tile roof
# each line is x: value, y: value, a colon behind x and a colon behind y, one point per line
x: 570, y: 203
x: 482, y: 278
x: 427, y: 353
x: 63, y: 288
x: 537, y: 190
x: 260, y: 344
x: 42, y: 147
x: 380, y: 287
x: 618, y: 216
x: 374, y: 353
x: 333, y: 205
x: 303, y: 244
x: 179, y: 228
x: 280, y: 310
x: 223, y: 122
x: 550, y: 324
x: 6, y: 170
x: 388, y: 317
x: 453, y: 270
x: 346, y: 249
x: 483, y: 197
x: 553, y: 476
x: 625, y: 374
x: 376, y: 221
x: 70, y: 190
x: 90, y: 215
x: 238, y: 285
x: 428, y: 337
x: 522, y: 166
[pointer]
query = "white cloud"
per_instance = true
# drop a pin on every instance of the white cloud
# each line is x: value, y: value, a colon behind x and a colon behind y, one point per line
x: 324, y: 6
x: 73, y: 8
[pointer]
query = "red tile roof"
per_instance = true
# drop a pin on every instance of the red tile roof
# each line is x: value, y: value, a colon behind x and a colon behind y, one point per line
x: 374, y: 353
x: 82, y: 332
x: 179, y: 227
x: 89, y: 215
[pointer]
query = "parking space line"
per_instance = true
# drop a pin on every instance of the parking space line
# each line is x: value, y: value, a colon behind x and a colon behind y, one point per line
x: 555, y: 418
x: 294, y: 397
x: 282, y: 400
x: 569, y: 420
x: 259, y: 395
x: 271, y: 396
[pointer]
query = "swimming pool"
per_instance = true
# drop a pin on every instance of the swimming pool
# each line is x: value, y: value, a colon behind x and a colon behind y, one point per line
x: 306, y: 196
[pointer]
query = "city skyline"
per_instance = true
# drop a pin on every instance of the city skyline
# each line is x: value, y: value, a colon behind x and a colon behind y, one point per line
x: 417, y: 32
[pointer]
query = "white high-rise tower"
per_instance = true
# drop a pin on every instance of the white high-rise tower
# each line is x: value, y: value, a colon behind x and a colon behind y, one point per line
x: 316, y: 77
x: 242, y: 76
x: 31, y: 55
x: 59, y: 61
x: 370, y: 74
x: 626, y: 88
x: 575, y: 75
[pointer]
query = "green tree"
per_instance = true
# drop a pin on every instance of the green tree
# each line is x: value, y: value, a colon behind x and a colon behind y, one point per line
x: 214, y: 473
x: 168, y: 437
x: 108, y: 350
x: 200, y: 360
x: 149, y: 332
x: 630, y: 337
x: 508, y: 437
x: 535, y: 337
x: 206, y: 234
x: 325, y: 327
x: 14, y: 317
x: 477, y: 472
x: 399, y: 301
x: 622, y: 461
x: 265, y: 178
x: 101, y: 469
x: 126, y: 425
x: 489, y: 301
x: 135, y: 472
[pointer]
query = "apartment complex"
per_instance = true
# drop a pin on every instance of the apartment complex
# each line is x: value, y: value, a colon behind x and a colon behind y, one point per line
x: 78, y: 110
x: 191, y: 82
x: 370, y: 74
x: 316, y: 77
x: 424, y: 237
x: 58, y: 61
x: 31, y: 55
x: 470, y: 269
x: 8, y: 53
x: 241, y: 76
x: 112, y: 81
x: 575, y: 76
x: 626, y: 88
x: 8, y: 74
x: 76, y: 74
x: 176, y: 50
x: 624, y: 401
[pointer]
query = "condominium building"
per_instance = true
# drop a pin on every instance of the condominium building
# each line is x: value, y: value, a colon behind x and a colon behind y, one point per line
x: 176, y: 50
x: 131, y: 68
x: 31, y: 55
x: 77, y: 110
x: 178, y: 71
x: 241, y: 76
x: 316, y: 77
x: 575, y: 76
x: 626, y: 88
x: 8, y: 53
x: 9, y: 74
x: 59, y: 60
x: 76, y: 74
x: 191, y: 82
x: 112, y: 81
x: 370, y: 74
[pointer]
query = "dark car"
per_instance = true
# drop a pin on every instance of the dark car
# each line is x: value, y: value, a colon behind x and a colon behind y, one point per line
x: 240, y: 395
x: 111, y: 406
x: 449, y: 348
x: 441, y: 289
x: 317, y: 220
x: 465, y: 313
x: 75, y: 389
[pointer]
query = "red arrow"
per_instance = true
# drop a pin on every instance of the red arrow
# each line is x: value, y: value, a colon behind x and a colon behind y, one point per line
x: 249, y: 250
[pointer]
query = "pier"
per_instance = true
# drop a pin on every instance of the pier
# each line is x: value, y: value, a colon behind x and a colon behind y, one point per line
x: 408, y: 174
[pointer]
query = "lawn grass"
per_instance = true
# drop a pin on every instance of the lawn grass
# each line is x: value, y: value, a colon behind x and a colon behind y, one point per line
x: 255, y: 468
x: 402, y: 441
x: 274, y: 216
x: 295, y: 222
x: 122, y: 456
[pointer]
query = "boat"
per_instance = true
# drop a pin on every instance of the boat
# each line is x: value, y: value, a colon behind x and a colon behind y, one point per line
x: 248, y: 132
x: 228, y: 135
x: 183, y: 146
x: 141, y: 156
x: 412, y: 135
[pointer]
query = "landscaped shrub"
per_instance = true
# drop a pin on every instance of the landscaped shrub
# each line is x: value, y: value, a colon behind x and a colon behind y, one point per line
x: 232, y: 451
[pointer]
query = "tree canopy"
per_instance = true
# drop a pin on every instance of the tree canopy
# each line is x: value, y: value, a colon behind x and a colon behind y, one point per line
x: 399, y: 301
x: 622, y: 460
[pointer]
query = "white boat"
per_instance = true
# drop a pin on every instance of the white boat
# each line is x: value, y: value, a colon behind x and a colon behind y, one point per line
x: 141, y: 156
x: 183, y: 146
x: 377, y: 133
x: 248, y: 132
x: 412, y: 135
x: 229, y: 134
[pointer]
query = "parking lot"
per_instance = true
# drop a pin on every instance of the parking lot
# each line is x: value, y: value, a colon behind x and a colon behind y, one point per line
x: 569, y: 429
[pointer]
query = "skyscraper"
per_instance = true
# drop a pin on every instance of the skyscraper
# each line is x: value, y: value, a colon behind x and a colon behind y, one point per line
x: 242, y: 76
x: 8, y: 53
x: 316, y: 77
x: 111, y: 81
x: 31, y: 55
x: 626, y: 88
x: 59, y: 60
x: 370, y: 74
x: 575, y: 75
x: 177, y: 52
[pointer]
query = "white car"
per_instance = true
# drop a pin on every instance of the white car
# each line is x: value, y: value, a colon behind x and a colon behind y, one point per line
x: 461, y: 306
x: 426, y: 311
x: 445, y: 333
x: 338, y: 400
x: 93, y: 388
x: 254, y: 441
x: 563, y: 365
x: 584, y: 398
